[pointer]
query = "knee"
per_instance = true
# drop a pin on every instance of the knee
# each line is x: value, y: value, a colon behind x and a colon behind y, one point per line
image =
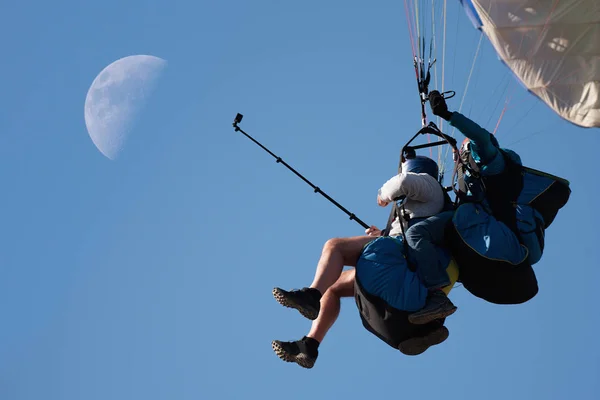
x: 344, y: 286
x: 414, y: 234
x: 341, y: 289
x: 419, y: 232
x: 332, y: 244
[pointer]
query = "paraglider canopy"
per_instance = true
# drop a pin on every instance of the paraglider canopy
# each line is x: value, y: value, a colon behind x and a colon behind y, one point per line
x: 552, y: 48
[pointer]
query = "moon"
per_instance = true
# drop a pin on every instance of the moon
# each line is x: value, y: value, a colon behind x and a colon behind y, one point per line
x: 115, y: 98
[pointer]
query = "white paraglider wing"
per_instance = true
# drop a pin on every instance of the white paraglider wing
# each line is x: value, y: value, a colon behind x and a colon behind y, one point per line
x: 552, y: 46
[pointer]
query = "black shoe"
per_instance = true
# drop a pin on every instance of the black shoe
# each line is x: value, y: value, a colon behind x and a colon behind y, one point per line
x: 306, y: 300
x: 417, y: 345
x: 438, y: 306
x: 303, y: 352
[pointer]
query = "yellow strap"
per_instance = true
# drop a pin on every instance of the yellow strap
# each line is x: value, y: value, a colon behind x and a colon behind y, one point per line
x: 452, y: 271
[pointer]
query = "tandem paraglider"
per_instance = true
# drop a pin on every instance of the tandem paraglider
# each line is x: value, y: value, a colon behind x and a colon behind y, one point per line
x: 488, y: 237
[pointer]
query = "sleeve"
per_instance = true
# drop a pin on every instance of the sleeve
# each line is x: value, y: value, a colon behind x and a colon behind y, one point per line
x: 481, y: 139
x: 417, y: 187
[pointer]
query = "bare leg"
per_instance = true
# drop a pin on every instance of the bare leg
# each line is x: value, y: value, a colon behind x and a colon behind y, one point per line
x: 336, y: 254
x: 330, y: 305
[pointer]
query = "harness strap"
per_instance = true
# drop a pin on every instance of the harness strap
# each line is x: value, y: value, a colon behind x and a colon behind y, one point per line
x: 501, y: 191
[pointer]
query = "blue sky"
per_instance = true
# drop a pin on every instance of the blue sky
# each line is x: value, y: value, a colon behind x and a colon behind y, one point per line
x: 150, y: 277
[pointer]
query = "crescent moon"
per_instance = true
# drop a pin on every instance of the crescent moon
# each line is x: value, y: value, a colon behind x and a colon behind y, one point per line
x: 115, y: 98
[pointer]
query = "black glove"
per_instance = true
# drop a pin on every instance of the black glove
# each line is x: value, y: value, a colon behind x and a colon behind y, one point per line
x: 438, y: 105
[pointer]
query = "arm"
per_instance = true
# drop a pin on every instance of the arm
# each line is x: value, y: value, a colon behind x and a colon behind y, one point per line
x: 482, y: 142
x: 481, y: 139
x: 413, y: 186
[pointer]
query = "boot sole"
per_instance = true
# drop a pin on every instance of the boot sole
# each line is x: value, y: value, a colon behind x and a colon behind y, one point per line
x: 284, y: 301
x: 418, y: 345
x: 301, y: 359
x: 422, y: 319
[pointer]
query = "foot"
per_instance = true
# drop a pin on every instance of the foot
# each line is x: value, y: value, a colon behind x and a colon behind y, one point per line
x: 438, y: 306
x: 307, y: 301
x: 303, y: 352
x: 418, y: 345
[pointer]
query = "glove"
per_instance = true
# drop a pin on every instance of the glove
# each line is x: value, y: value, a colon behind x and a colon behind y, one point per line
x: 438, y: 105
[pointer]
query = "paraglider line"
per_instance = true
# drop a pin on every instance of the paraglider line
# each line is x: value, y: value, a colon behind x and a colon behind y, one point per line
x: 279, y: 160
x: 468, y: 82
x: 499, y: 119
x: 410, y: 32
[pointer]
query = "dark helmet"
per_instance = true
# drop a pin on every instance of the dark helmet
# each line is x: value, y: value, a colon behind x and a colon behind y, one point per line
x: 421, y: 164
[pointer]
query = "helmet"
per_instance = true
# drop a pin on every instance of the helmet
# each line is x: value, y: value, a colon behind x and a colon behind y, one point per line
x: 511, y: 154
x: 421, y: 164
